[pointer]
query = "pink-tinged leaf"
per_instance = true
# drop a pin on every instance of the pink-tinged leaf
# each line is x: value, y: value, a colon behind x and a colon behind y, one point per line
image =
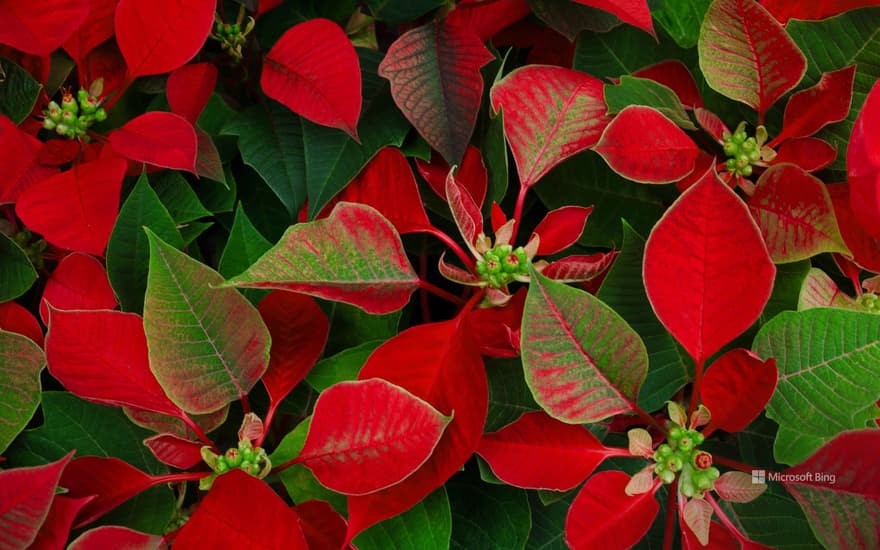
x: 811, y: 154
x: 113, y: 536
x: 440, y: 358
x: 820, y: 290
x: 710, y: 122
x: 603, y: 516
x: 863, y: 165
x: 783, y: 10
x: 96, y: 29
x: 634, y: 12
x: 158, y: 138
x: 78, y: 282
x: 539, y: 452
x: 582, y: 361
x: 208, y: 162
x: 697, y: 516
x: 387, y: 184
x: 642, y: 145
x: 160, y: 36
x: 75, y: 209
x: 746, y: 55
x: 493, y: 326
x: 299, y: 329
x: 641, y: 443
x: 18, y: 151
x: 111, y: 480
x: 323, y: 527
x: 865, y: 248
x: 485, y: 19
x: 736, y: 486
x: 27, y: 27
x: 845, y: 512
x: 457, y: 274
x: 795, y: 215
x: 471, y: 174
x: 16, y: 318
x: 704, y: 246
x: 828, y: 101
x: 465, y: 212
x: 577, y: 269
x: 561, y: 228
x: 550, y: 114
x: 189, y: 88
x: 26, y: 496
x: 314, y: 71
x: 251, y: 427
x: 675, y: 75
x: 220, y: 521
x: 55, y: 530
x: 435, y: 78
x: 736, y: 389
x: 175, y: 451
x: 395, y: 434
x: 208, y: 346
x: 353, y: 256
x: 101, y: 356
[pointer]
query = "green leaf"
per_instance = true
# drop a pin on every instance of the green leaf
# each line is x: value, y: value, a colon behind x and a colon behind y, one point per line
x: 400, y: 11
x: 425, y: 526
x: 624, y: 291
x: 776, y: 520
x: 548, y: 524
x: 208, y: 346
x: 17, y: 273
x: 642, y: 91
x: 351, y: 326
x: 582, y: 361
x: 570, y: 18
x: 786, y: 289
x: 215, y: 196
x: 586, y: 180
x: 488, y: 516
x: 343, y: 366
x: 189, y: 232
x: 244, y: 246
x: 829, y: 376
x: 623, y: 50
x: 509, y: 395
x: 494, y: 151
x: 18, y: 91
x: 682, y: 19
x: 178, y: 197
x: 21, y: 362
x: 128, y: 252
x: 825, y: 51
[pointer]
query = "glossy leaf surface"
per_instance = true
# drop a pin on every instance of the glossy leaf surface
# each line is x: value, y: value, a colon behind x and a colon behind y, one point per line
x: 161, y: 139
x: 78, y: 282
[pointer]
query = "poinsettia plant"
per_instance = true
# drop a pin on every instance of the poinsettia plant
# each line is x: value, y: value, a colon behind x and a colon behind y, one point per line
x: 436, y: 273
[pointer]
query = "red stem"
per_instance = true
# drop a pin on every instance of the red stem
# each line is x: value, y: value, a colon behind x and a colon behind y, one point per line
x: 198, y: 431
x: 649, y: 419
x: 183, y: 476
x: 284, y: 465
x: 448, y: 241
x: 671, y: 504
x: 518, y: 210
x: 423, y: 294
x: 698, y: 383
x: 735, y: 464
x: 437, y: 291
x: 270, y: 415
x: 245, y: 404
x: 722, y: 517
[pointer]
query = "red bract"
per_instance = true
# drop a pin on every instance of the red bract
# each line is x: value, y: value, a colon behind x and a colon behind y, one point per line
x: 736, y: 389
x: 485, y: 19
x: 78, y: 282
x: 161, y: 139
x: 96, y: 29
x: 863, y: 165
x: 561, y: 228
x: 314, y: 71
x: 783, y: 10
x: 634, y: 12
x: 56, y: 528
x: 18, y: 151
x: 26, y: 28
x: 174, y: 450
x: 16, y: 318
x: 26, y: 495
x: 323, y: 527
x: 110, y: 536
x: 189, y: 88
x: 471, y: 174
x: 809, y: 110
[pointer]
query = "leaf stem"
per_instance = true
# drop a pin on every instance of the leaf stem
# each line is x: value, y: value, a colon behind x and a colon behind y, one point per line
x: 423, y: 294
x: 698, y: 383
x: 735, y: 464
x: 439, y: 292
x: 190, y: 423
x: 649, y: 419
x: 518, y: 210
x: 182, y: 476
x: 671, y: 503
x: 245, y: 404
x: 448, y: 241
x: 285, y: 465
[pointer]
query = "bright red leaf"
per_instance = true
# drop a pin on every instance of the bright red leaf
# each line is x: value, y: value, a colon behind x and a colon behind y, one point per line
x: 78, y: 282
x: 863, y: 164
x: 158, y: 138
x: 101, y: 356
x: 26, y: 495
x: 161, y: 35
x: 550, y: 114
x: 299, y: 329
x: 865, y: 248
x: 175, y: 451
x: 783, y: 10
x: 711, y: 123
x: 445, y: 369
x: 471, y: 174
x: 314, y: 71
x: 603, y: 516
x: 16, y: 318
x: 96, y: 29
x: 105, y: 62
x: 435, y: 78
x: 675, y: 75
x: 719, y: 538
x: 485, y: 19
x: 746, y: 55
x: 55, y: 530
x: 561, y: 228
x: 696, y: 260
x: 540, y: 452
x: 18, y: 151
x: 113, y: 536
x: 40, y: 27
x: 395, y: 434
x: 496, y: 329
x: 323, y: 527
x: 634, y: 12
x: 189, y: 88
x: 241, y: 511
x: 736, y: 389
x: 59, y: 151
x: 642, y: 145
x: 76, y: 209
x: 811, y: 154
x: 809, y: 110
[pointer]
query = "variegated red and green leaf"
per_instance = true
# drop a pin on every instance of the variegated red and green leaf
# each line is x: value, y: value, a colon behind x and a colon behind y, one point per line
x: 795, y: 215
x: 582, y: 361
x: 208, y: 346
x: 746, y: 55
x: 675, y: 75
x: 26, y: 495
x: 550, y: 114
x: 353, y: 256
x: 820, y: 290
x: 21, y: 362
